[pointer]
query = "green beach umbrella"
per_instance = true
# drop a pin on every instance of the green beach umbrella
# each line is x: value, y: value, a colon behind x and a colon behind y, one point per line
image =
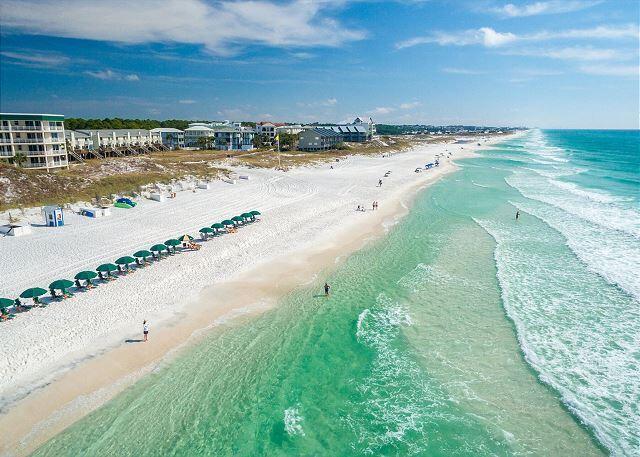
x: 158, y: 247
x: 106, y: 268
x: 126, y: 260
x: 247, y: 215
x: 255, y: 213
x: 217, y: 226
x: 206, y: 230
x: 143, y: 254
x: 237, y: 218
x: 6, y: 303
x: 33, y: 292
x: 172, y: 242
x: 227, y: 222
x: 61, y: 284
x: 86, y: 275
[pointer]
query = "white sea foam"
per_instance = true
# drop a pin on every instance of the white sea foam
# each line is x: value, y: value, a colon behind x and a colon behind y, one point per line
x: 293, y: 421
x: 610, y: 216
x: 580, y: 335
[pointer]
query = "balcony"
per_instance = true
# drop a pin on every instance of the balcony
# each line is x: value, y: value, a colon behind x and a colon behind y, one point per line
x: 5, y: 140
x: 24, y: 128
x: 28, y: 140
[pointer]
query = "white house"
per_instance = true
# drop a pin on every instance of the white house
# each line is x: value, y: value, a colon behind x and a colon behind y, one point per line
x: 171, y: 138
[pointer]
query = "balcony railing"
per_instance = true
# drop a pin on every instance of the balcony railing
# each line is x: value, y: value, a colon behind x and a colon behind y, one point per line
x: 31, y: 128
x: 28, y: 140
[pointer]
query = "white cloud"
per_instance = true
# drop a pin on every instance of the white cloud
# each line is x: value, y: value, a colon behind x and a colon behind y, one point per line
x: 35, y: 59
x: 222, y: 27
x: 585, y: 53
x: 491, y: 38
x: 611, y: 70
x: 545, y: 7
x: 383, y: 110
x: 409, y: 105
x: 111, y: 75
x: 462, y: 71
x: 187, y: 102
x: 330, y: 102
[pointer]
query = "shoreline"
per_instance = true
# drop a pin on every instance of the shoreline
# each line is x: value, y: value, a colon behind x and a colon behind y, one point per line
x: 47, y: 410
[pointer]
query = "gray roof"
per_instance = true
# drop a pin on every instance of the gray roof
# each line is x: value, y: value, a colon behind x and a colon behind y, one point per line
x: 166, y: 130
x: 324, y: 131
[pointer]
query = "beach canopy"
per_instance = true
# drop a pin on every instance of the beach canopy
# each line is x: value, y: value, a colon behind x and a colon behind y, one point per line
x: 106, y: 268
x: 237, y: 218
x: 255, y: 213
x: 217, y: 225
x: 126, y: 260
x: 86, y: 275
x: 33, y: 292
x: 158, y: 247
x: 206, y: 230
x: 185, y: 238
x: 61, y: 284
x: 6, y: 303
x: 143, y: 254
x: 172, y: 242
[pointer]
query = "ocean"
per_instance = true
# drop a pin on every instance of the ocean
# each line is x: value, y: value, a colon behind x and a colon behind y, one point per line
x: 462, y: 331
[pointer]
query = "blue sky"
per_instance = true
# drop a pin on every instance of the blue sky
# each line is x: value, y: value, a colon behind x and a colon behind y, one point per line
x: 554, y: 63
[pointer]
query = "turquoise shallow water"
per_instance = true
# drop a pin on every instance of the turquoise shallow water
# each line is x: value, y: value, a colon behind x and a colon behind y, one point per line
x: 462, y: 332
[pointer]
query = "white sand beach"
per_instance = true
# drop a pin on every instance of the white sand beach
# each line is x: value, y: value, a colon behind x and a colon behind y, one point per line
x: 300, y: 208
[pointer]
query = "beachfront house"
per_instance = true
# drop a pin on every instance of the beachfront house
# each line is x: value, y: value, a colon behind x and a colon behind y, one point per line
x: 199, y: 135
x: 171, y: 138
x: 226, y: 136
x: 318, y: 139
x: 33, y: 140
x: 291, y: 129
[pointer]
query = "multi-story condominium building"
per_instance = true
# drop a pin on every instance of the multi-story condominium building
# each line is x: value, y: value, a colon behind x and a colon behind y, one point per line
x: 268, y: 130
x: 358, y: 131
x: 318, y: 139
x: 116, y: 141
x: 36, y: 140
x: 171, y: 138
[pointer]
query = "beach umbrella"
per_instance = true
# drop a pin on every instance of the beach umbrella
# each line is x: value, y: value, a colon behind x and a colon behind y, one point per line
x: 61, y: 284
x: 172, y: 242
x: 206, y: 230
x: 6, y: 303
x: 185, y: 238
x: 126, y: 260
x: 255, y: 213
x: 159, y: 248
x: 237, y: 218
x: 247, y: 215
x: 34, y: 292
x: 217, y: 226
x: 106, y: 268
x: 86, y: 275
x: 227, y: 222
x: 142, y: 254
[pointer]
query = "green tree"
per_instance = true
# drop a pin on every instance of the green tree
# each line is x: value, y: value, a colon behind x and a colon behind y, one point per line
x: 19, y: 158
x: 288, y: 141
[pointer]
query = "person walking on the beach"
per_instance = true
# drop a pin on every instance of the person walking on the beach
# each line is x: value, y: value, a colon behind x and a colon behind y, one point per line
x: 145, y: 330
x: 379, y: 182
x: 517, y: 214
x: 327, y: 288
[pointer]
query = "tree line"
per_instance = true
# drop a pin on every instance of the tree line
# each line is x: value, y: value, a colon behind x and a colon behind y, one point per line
x: 78, y: 123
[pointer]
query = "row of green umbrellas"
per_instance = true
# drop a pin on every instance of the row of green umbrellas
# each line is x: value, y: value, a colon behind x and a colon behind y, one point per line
x: 125, y: 261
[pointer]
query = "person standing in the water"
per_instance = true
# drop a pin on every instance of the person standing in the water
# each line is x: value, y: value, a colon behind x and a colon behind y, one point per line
x: 517, y: 214
x: 327, y: 287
